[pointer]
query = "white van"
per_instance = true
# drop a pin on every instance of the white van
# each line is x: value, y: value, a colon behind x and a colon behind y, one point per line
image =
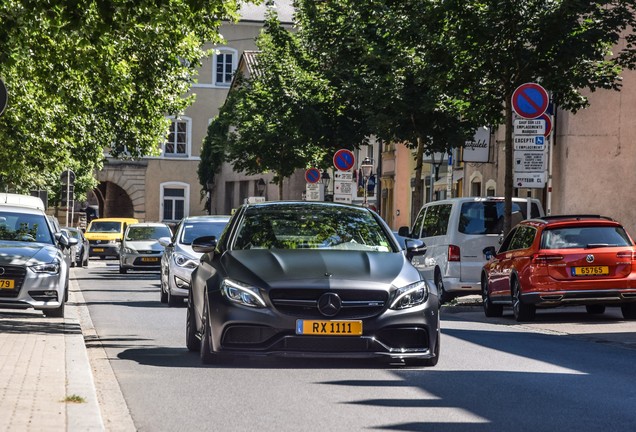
x: 456, y: 232
x: 22, y: 200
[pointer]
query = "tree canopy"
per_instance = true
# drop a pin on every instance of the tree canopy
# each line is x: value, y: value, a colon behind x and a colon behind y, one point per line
x: 88, y: 76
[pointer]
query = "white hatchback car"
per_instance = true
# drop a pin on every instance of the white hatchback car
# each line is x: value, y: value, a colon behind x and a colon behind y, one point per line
x: 457, y: 233
x: 140, y: 248
x: 179, y: 260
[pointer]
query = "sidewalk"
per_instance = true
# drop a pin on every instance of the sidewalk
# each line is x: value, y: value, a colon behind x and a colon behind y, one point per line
x: 46, y: 381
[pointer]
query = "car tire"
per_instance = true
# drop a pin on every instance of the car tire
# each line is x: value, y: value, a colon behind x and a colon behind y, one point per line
x: 55, y: 313
x: 206, y: 354
x: 490, y: 310
x: 164, y: 294
x: 595, y: 309
x: 522, y: 311
x: 85, y: 263
x: 629, y: 311
x: 444, y: 297
x: 192, y: 341
x: 123, y: 270
x: 174, y: 300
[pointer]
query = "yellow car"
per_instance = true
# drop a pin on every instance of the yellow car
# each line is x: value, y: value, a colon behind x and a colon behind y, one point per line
x: 105, y: 235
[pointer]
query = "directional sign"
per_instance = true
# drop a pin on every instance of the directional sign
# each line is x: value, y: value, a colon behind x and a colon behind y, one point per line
x: 312, y: 175
x: 530, y: 143
x: 344, y: 160
x: 530, y: 100
x: 529, y: 127
x: 4, y: 96
x: 531, y: 161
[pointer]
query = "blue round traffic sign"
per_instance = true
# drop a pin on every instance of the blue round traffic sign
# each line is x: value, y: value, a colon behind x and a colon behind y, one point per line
x: 530, y: 100
x: 344, y: 160
x: 312, y: 175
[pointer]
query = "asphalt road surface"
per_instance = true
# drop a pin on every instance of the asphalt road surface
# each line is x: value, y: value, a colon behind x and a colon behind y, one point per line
x: 493, y: 375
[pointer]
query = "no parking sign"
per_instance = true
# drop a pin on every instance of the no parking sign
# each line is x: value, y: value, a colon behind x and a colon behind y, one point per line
x: 530, y: 100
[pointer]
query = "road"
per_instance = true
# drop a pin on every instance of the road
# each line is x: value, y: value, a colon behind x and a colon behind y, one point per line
x: 493, y: 375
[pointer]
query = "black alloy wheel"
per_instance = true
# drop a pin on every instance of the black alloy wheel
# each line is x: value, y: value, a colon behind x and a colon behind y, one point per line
x: 206, y: 354
x: 192, y: 342
x: 490, y: 310
x: 522, y: 311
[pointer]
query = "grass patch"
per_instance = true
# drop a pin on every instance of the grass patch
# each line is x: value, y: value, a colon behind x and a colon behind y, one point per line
x: 74, y: 399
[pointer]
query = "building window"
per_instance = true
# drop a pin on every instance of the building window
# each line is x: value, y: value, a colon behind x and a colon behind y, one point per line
x: 178, y: 141
x: 174, y: 201
x: 223, y: 67
x: 475, y: 189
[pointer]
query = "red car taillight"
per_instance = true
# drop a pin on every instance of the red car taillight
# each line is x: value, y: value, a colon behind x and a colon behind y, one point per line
x: 545, y: 259
x: 453, y: 253
x: 626, y: 255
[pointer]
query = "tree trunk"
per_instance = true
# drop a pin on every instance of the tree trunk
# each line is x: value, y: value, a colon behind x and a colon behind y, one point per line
x: 418, y: 193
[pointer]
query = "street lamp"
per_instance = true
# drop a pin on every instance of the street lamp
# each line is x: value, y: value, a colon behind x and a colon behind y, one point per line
x: 366, y: 166
x: 260, y: 186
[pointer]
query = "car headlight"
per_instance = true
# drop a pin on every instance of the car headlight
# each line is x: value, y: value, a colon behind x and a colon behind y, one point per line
x: 49, y: 268
x: 410, y: 295
x: 181, y: 283
x: 242, y: 294
x: 128, y: 250
x: 114, y: 242
x: 185, y: 261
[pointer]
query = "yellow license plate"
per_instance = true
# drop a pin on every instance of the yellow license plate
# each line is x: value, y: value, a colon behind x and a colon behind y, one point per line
x: 328, y: 328
x: 98, y: 249
x: 7, y: 284
x: 150, y: 259
x: 590, y: 271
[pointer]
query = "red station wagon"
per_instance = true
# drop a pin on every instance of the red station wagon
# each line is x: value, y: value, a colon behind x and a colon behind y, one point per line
x: 562, y: 261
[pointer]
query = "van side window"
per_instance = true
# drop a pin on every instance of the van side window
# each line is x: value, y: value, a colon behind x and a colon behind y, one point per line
x: 418, y: 225
x: 436, y: 220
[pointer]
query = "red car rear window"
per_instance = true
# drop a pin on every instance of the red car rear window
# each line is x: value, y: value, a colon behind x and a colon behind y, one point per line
x: 584, y: 236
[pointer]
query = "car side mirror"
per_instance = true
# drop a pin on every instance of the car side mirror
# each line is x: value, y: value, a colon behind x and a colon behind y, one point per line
x: 489, y: 252
x: 404, y: 231
x: 205, y: 244
x: 414, y: 247
x: 165, y: 241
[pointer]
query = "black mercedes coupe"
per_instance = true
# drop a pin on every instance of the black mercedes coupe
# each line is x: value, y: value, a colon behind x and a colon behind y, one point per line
x: 311, y: 279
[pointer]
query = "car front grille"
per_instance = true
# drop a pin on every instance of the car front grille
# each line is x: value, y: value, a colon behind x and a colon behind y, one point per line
x: 17, y: 274
x: 303, y: 303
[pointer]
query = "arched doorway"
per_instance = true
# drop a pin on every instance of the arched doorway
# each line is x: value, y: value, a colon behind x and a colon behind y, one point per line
x: 112, y: 200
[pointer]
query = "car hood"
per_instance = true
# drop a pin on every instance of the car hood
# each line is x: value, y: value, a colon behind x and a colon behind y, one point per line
x: 26, y: 253
x: 286, y: 268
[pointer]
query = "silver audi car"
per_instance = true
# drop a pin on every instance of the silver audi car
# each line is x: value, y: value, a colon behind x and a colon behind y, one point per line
x: 33, y: 271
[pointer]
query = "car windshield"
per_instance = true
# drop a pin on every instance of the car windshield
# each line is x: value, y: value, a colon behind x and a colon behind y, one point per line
x: 105, y: 227
x: 310, y: 227
x: 486, y: 217
x: 192, y: 230
x: 147, y: 233
x: 584, y: 237
x: 73, y: 233
x: 24, y: 227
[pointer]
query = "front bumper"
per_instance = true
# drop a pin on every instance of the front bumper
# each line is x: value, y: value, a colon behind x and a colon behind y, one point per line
x: 395, y: 334
x: 39, y: 291
x: 104, y: 250
x: 140, y: 261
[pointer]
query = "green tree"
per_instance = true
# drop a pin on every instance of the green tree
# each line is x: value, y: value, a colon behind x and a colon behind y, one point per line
x: 282, y: 116
x: 379, y: 56
x: 567, y: 46
x: 88, y: 76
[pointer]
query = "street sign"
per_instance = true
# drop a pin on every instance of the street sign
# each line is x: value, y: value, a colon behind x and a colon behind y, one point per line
x: 312, y: 175
x: 531, y: 161
x: 67, y: 177
x: 530, y: 143
x: 344, y: 160
x: 534, y: 180
x: 548, y: 124
x: 529, y: 127
x: 343, y: 176
x: 314, y: 192
x: 4, y: 96
x: 530, y: 100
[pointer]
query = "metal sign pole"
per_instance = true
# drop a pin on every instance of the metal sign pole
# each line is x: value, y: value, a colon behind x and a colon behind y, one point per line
x: 68, y: 189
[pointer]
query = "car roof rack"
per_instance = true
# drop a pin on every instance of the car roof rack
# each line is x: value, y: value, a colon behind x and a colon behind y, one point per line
x: 576, y: 216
